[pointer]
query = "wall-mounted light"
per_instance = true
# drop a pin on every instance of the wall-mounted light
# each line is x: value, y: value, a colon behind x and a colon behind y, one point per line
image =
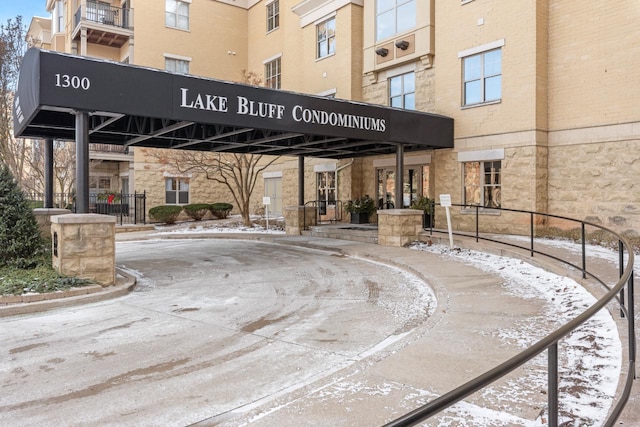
x: 382, y: 51
x: 402, y: 44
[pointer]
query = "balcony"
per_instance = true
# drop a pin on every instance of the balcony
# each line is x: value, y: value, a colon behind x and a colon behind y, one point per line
x: 110, y: 152
x: 104, y: 24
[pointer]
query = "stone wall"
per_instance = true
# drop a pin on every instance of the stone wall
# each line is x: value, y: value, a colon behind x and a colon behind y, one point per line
x: 84, y: 246
x: 398, y: 227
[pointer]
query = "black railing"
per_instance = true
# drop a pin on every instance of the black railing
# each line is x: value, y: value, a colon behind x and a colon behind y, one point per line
x: 109, y: 148
x: 105, y: 14
x: 127, y: 208
x: 324, y: 212
x: 550, y: 342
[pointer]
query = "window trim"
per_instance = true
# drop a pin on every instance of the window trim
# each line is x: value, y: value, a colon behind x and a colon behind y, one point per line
x: 480, y: 52
x: 186, y: 59
x: 482, y: 185
x: 278, y: 75
x: 176, y: 27
x: 327, y: 39
x: 395, y: 32
x: 270, y: 7
x: 177, y: 192
x: 403, y: 93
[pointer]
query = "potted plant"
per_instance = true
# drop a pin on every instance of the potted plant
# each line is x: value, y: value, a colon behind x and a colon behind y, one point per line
x: 360, y: 209
x: 427, y: 206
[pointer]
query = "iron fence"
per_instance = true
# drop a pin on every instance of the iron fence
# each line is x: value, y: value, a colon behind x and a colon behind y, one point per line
x: 127, y: 208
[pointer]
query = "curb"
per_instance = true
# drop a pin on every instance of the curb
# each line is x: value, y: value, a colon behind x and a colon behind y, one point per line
x: 35, y: 303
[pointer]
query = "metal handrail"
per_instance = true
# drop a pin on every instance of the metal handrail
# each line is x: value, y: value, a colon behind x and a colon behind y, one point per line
x: 317, y: 205
x: 550, y: 342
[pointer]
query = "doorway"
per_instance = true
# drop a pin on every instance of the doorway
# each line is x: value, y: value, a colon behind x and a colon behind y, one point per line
x: 273, y: 190
x: 415, y: 183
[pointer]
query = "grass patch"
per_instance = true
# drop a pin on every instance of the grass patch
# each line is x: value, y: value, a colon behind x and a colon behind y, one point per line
x: 40, y: 279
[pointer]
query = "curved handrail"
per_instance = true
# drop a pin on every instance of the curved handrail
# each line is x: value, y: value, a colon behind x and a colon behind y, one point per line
x: 550, y: 342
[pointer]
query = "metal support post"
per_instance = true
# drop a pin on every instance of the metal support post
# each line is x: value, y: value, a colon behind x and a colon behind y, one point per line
x: 82, y: 162
x: 399, y: 189
x: 300, y: 180
x: 553, y: 384
x: 48, y: 173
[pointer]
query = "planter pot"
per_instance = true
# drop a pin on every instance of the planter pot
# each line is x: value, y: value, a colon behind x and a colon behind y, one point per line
x: 428, y: 220
x: 112, y: 208
x: 359, y: 218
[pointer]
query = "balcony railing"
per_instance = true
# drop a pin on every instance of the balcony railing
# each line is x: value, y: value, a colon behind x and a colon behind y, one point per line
x: 109, y: 148
x: 105, y: 14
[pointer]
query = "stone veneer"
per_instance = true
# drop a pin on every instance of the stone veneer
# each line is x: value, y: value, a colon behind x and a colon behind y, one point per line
x: 84, y: 246
x: 398, y: 227
x: 297, y: 218
x: 43, y: 218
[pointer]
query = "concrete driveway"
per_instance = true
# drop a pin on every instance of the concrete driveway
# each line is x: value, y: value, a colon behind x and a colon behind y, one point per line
x: 215, y: 328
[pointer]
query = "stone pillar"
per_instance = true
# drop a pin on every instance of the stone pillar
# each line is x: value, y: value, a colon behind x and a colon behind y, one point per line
x: 297, y: 218
x: 43, y: 218
x: 398, y: 227
x: 84, y: 246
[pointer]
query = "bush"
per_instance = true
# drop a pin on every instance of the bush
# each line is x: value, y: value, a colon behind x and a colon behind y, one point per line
x: 220, y: 210
x: 167, y: 214
x: 196, y: 211
x: 20, y: 240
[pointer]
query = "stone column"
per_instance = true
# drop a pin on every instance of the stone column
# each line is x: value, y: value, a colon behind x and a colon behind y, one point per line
x: 43, y: 218
x: 84, y: 246
x: 398, y: 227
x: 297, y: 218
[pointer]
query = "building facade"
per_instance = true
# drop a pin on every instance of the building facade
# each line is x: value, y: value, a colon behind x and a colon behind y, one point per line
x: 544, y: 94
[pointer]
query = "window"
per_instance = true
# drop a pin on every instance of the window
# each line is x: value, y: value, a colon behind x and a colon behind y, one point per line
x: 394, y: 16
x: 482, y: 183
x: 176, y: 14
x: 99, y: 184
x: 176, y: 65
x: 272, y: 74
x: 273, y: 15
x: 326, y: 38
x: 482, y: 77
x: 58, y: 13
x: 177, y: 191
x: 402, y: 91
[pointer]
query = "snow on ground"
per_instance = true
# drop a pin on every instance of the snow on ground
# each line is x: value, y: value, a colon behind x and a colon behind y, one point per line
x: 232, y: 225
x: 590, y: 357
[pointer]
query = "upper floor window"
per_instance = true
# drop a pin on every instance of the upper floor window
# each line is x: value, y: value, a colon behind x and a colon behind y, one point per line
x: 176, y: 65
x: 402, y: 91
x: 272, y: 74
x: 482, y: 183
x: 482, y: 77
x: 394, y: 16
x: 273, y: 15
x: 176, y: 14
x: 326, y: 38
x: 58, y: 13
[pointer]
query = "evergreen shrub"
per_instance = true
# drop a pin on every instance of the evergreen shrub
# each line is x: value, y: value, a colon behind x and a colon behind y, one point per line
x: 196, y: 211
x: 220, y: 210
x: 167, y: 214
x: 20, y: 240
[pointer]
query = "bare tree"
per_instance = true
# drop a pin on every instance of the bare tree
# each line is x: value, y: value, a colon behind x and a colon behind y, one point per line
x: 13, y: 45
x: 238, y: 172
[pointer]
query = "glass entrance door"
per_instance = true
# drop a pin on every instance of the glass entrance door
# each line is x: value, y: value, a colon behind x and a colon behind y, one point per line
x: 415, y: 183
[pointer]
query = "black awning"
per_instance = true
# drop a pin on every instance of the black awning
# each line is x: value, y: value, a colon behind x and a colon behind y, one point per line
x: 137, y: 106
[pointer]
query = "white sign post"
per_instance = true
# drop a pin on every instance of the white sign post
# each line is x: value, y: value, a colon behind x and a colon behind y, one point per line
x: 266, y: 201
x: 445, y: 202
